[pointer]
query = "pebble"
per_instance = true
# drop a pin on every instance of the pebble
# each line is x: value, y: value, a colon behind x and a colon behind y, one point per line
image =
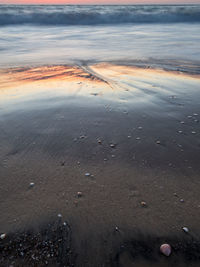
x: 182, y: 122
x: 193, y: 132
x: 165, y: 249
x: 140, y: 127
x: 195, y: 114
x: 32, y: 184
x: 79, y: 194
x: 59, y: 215
x: 181, y: 200
x: 138, y: 138
x: 143, y: 204
x: 87, y: 174
x: 99, y: 141
x: 3, y: 236
x: 112, y: 145
x: 158, y: 142
x: 180, y: 131
x: 185, y: 229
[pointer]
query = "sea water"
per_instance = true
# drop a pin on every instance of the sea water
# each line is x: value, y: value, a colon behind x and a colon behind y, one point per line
x: 57, y: 34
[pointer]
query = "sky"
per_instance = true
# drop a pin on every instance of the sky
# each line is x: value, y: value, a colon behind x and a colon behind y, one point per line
x: 99, y: 1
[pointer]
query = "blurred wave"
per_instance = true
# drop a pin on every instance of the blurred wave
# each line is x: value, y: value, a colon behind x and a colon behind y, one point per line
x: 96, y: 15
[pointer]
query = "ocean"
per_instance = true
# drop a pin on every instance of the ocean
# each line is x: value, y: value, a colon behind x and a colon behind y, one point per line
x: 38, y: 34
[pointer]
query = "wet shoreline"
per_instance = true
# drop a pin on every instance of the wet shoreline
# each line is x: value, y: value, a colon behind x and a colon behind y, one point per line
x: 98, y: 142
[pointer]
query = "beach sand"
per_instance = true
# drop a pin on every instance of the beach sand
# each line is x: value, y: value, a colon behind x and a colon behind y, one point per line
x: 126, y: 138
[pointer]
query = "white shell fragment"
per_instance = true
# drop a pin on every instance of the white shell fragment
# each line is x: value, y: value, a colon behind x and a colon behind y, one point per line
x: 87, y: 174
x: 79, y: 194
x: 3, y: 236
x: 185, y: 229
x: 31, y: 184
x: 59, y: 215
x: 165, y: 249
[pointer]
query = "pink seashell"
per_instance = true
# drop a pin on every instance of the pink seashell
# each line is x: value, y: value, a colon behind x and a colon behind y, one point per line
x: 165, y: 249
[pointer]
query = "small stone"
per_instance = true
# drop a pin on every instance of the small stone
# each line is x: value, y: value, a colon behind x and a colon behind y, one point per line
x: 195, y: 114
x: 129, y: 136
x: 99, y: 141
x: 143, y: 204
x: 31, y: 184
x: 182, y: 122
x: 59, y: 215
x: 87, y: 174
x: 116, y: 229
x: 140, y: 127
x: 158, y: 142
x: 3, y: 236
x: 193, y: 132
x: 82, y: 137
x: 112, y: 145
x: 182, y: 200
x: 165, y: 249
x: 189, y: 117
x: 79, y: 194
x: 138, y: 138
x: 180, y: 131
x: 185, y: 229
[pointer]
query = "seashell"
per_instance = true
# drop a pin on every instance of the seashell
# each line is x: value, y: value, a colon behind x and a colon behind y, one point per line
x: 165, y: 249
x: 185, y: 229
x: 112, y: 145
x: 143, y: 204
x: 79, y: 194
x: 2, y: 236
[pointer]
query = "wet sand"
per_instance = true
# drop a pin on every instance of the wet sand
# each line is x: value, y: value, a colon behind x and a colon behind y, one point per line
x: 135, y: 130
